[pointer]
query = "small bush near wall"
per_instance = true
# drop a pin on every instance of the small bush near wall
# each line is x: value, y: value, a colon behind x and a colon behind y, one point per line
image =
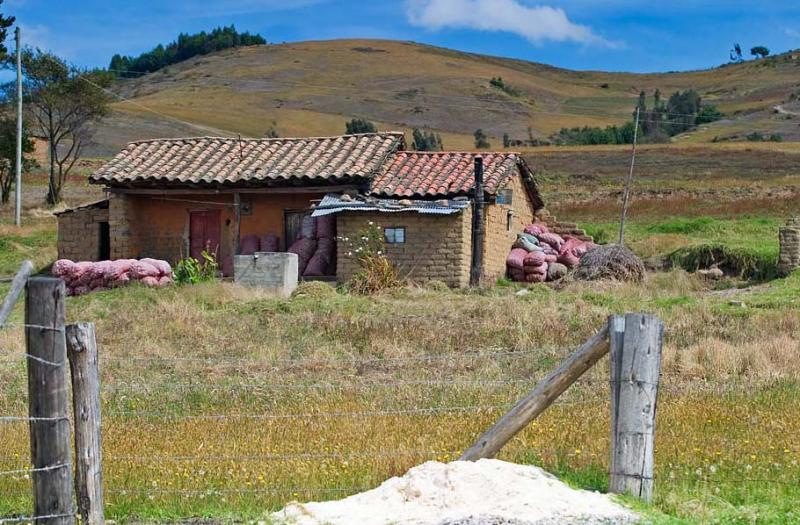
x: 376, y: 271
x: 191, y: 271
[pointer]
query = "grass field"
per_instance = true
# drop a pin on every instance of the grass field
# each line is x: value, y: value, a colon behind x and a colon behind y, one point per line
x: 220, y: 402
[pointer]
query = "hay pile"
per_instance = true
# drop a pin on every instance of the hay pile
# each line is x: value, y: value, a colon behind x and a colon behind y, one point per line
x: 611, y: 261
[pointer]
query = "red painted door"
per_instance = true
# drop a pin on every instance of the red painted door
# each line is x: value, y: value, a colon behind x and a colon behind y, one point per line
x: 203, y: 232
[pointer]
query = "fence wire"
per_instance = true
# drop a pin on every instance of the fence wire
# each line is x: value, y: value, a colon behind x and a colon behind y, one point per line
x: 26, y: 473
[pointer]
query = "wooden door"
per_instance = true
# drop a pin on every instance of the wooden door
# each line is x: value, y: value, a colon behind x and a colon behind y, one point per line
x: 294, y: 225
x: 204, y: 232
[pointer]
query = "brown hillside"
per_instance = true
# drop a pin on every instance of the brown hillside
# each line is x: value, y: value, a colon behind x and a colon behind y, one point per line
x: 312, y: 88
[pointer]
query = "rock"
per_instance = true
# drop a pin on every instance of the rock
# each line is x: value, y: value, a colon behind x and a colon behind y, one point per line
x: 556, y: 271
x: 712, y: 274
x: 523, y: 292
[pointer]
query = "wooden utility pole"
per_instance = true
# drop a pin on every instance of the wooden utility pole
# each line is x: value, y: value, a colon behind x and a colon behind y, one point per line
x: 478, y: 226
x: 48, y: 404
x: 18, y: 180
x: 83, y: 362
x: 539, y: 398
x: 635, y: 341
x: 627, y: 191
x: 17, y: 286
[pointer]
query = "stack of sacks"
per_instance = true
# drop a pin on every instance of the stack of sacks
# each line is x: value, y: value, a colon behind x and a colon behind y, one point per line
x: 535, y: 267
x: 540, y: 248
x: 84, y: 277
x: 321, y: 263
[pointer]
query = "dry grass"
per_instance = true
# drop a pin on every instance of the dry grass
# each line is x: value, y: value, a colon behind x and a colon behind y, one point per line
x: 726, y: 411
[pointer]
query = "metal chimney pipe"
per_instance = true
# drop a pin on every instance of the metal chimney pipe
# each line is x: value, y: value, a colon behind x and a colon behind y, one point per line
x: 478, y: 226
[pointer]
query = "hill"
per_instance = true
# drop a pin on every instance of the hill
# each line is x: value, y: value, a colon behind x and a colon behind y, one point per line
x: 312, y: 88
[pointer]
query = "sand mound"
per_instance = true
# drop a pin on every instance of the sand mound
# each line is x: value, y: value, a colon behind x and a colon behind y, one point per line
x: 487, y: 492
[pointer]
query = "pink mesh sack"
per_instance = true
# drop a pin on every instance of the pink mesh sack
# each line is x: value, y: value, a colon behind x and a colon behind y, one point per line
x: 319, y: 263
x: 534, y: 259
x: 149, y: 280
x: 516, y: 274
x: 140, y: 269
x: 249, y: 245
x: 326, y: 227
x: 304, y: 248
x: 516, y: 259
x: 308, y: 228
x: 163, y: 267
x: 536, y: 229
x: 552, y: 239
x: 62, y: 267
x: 269, y: 243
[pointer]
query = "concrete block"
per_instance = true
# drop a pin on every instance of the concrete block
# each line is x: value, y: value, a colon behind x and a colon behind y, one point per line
x: 275, y: 272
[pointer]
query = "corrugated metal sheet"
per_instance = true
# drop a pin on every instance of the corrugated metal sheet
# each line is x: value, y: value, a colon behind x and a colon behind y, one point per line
x: 335, y: 204
x: 229, y: 160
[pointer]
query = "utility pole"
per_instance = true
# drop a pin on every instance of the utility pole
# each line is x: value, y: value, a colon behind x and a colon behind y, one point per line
x: 627, y: 192
x: 18, y: 182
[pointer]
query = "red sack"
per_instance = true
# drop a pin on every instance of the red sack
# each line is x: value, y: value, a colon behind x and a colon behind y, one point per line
x: 149, y: 280
x: 249, y: 245
x: 304, y: 248
x: 550, y: 258
x: 140, y: 269
x: 269, y: 243
x: 164, y: 280
x: 516, y: 259
x: 326, y: 227
x: 534, y: 259
x: 552, y: 239
x: 320, y: 262
x: 62, y: 267
x: 535, y: 277
x: 536, y: 229
x: 163, y: 267
x: 516, y: 275
x: 308, y: 229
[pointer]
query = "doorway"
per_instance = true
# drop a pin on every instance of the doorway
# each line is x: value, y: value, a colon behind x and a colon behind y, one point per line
x: 204, y: 232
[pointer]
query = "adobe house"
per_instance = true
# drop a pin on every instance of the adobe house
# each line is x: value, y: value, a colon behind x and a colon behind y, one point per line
x: 169, y: 198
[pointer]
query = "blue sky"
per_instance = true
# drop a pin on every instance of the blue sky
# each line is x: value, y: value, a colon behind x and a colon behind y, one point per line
x: 617, y: 35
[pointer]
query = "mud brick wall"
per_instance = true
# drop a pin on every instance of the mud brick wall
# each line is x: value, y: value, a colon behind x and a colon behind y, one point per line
x: 502, y: 232
x: 79, y: 233
x: 437, y: 246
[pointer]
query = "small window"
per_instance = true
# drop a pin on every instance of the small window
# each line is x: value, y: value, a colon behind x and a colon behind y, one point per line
x: 510, y: 220
x: 505, y: 196
x: 394, y: 235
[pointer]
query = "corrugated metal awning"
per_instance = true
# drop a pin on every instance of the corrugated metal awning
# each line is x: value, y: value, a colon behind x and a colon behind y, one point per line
x: 331, y: 204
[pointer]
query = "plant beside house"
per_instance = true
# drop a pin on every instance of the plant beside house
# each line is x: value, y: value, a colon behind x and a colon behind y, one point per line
x: 376, y: 272
x: 192, y: 271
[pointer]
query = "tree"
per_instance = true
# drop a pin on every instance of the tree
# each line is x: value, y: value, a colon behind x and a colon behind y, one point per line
x: 62, y: 101
x: 8, y: 155
x: 759, y: 51
x: 481, y: 140
x: 736, y: 53
x: 359, y: 125
x: 427, y: 141
x: 185, y: 47
x: 5, y: 23
x: 272, y: 131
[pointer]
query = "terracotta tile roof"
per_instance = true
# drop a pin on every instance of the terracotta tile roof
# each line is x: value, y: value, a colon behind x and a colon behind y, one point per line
x: 442, y: 173
x: 214, y: 160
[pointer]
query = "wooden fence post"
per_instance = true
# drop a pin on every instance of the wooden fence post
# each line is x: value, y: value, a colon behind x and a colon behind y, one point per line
x: 48, y: 404
x: 635, y: 344
x: 83, y: 362
x: 541, y: 397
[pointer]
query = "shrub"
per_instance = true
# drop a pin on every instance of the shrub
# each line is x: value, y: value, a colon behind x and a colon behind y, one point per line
x: 191, y: 271
x: 376, y: 273
x: 741, y: 262
x: 359, y: 125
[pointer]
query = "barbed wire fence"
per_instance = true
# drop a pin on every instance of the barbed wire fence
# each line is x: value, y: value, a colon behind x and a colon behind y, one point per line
x: 187, y: 432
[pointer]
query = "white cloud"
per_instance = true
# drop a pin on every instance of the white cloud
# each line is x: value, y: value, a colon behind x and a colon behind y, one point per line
x: 536, y: 23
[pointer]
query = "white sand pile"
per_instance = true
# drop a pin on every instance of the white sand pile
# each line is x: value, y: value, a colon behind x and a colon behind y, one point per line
x: 487, y: 492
